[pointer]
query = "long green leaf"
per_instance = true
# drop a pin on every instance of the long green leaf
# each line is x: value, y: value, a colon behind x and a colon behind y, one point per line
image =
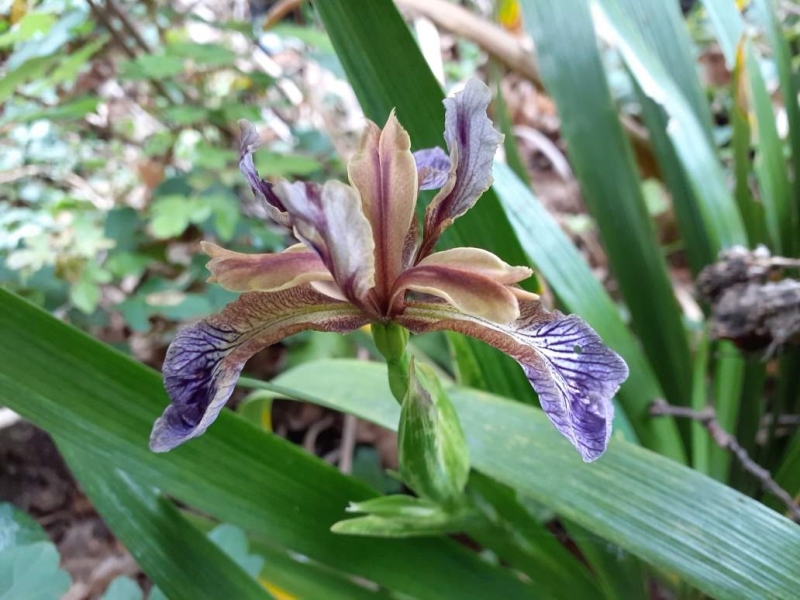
x: 721, y: 219
x: 662, y: 29
x: 729, y: 26
x: 726, y: 544
x: 572, y: 72
x: 568, y: 274
x: 297, y: 576
x: 183, y: 562
x: 770, y: 164
x: 86, y: 394
x: 788, y: 475
x: 525, y: 543
x: 752, y: 212
x: 788, y: 85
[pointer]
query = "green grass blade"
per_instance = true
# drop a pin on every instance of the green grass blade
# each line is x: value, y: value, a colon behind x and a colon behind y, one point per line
x: 788, y: 85
x: 525, y: 543
x: 619, y: 573
x: 752, y: 212
x: 554, y: 255
x: 572, y: 72
x: 724, y: 543
x: 662, y: 29
x: 386, y: 69
x: 721, y: 218
x: 770, y: 164
x: 696, y: 241
x: 729, y: 368
x: 751, y: 409
x: 728, y: 24
x: 296, y: 575
x: 788, y: 475
x: 84, y: 393
x: 183, y: 562
x: 700, y: 439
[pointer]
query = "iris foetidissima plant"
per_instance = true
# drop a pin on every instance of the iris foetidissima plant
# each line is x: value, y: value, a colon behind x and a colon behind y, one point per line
x: 362, y: 259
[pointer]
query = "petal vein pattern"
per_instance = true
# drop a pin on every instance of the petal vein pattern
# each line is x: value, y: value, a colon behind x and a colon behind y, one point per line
x: 572, y: 371
x: 204, y: 361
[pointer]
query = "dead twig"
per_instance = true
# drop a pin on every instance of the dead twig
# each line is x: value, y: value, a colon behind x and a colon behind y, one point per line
x: 708, y: 419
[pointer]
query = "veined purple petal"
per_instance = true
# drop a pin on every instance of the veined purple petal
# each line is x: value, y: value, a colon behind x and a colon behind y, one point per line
x: 204, y: 360
x: 572, y: 371
x: 433, y: 167
x: 249, y: 141
x: 472, y: 141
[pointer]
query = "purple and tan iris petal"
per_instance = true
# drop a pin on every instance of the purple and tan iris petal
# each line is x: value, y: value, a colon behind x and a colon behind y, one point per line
x: 237, y: 272
x: 472, y: 142
x: 433, y: 167
x: 385, y: 174
x: 572, y: 371
x: 249, y: 141
x: 329, y: 220
x: 471, y: 293
x: 204, y: 361
x: 477, y: 261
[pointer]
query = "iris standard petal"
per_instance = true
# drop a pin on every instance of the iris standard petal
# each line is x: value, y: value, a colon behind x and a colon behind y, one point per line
x: 237, y: 272
x: 204, y: 361
x: 572, y: 371
x: 433, y: 167
x: 472, y: 141
x: 385, y: 174
x: 330, y: 221
x: 469, y: 292
x: 249, y: 141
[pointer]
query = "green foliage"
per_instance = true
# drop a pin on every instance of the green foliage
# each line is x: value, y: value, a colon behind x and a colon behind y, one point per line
x: 105, y: 204
x: 28, y: 560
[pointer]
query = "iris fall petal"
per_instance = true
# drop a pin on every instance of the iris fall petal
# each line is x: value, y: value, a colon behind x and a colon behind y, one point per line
x: 204, y: 361
x: 572, y: 371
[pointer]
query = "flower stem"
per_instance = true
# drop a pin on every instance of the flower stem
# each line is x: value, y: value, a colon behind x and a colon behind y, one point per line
x: 391, y: 340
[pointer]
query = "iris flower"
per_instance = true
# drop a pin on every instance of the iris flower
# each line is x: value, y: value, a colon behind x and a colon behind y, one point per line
x: 363, y: 259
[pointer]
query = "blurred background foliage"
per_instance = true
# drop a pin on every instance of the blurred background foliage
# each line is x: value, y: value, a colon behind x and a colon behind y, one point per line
x: 118, y: 156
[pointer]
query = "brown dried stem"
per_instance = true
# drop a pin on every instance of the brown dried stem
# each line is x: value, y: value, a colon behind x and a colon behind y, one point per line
x: 708, y: 419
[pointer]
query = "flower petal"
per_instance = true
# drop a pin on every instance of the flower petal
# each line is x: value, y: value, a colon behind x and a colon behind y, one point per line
x: 204, y: 361
x: 472, y: 142
x: 470, y: 292
x: 433, y: 167
x: 385, y: 174
x: 249, y: 141
x: 329, y: 220
x: 239, y: 272
x: 572, y: 371
x: 477, y: 260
